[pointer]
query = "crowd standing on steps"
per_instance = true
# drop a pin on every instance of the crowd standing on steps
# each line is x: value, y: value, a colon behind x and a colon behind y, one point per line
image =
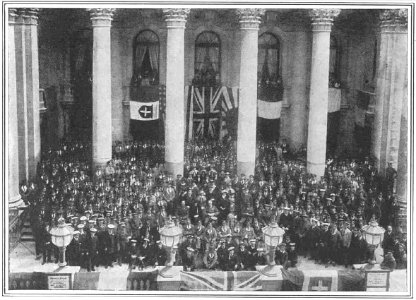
x: 117, y: 210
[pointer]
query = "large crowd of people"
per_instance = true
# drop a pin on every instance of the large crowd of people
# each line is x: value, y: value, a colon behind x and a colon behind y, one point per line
x: 117, y: 210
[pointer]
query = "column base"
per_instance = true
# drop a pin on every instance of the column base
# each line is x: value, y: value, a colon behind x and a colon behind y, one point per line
x: 16, y: 202
x: 317, y: 169
x: 174, y: 168
x: 246, y: 168
x: 100, y: 162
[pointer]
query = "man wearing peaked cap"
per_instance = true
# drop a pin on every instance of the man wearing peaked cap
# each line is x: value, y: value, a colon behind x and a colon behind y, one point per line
x: 189, y: 260
x: 232, y: 260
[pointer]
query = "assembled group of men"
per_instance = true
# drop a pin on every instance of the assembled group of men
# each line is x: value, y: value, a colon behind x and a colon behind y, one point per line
x: 118, y: 210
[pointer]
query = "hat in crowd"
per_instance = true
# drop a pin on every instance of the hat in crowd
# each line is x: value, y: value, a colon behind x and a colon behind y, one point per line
x: 158, y: 242
x: 133, y: 241
x: 93, y: 229
x: 292, y: 244
x: 231, y: 248
x: 110, y: 226
x: 146, y: 239
x: 260, y: 250
x: 76, y: 232
x: 190, y: 249
x: 325, y: 224
x: 80, y: 226
x: 83, y: 218
x: 253, y: 240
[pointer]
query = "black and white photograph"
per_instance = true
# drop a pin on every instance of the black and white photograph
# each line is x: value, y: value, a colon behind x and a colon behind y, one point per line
x: 195, y: 148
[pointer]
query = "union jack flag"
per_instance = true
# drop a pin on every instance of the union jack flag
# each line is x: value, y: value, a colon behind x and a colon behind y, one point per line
x: 221, y: 281
x: 207, y: 110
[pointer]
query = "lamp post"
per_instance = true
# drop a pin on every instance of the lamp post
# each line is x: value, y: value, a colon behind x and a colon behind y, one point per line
x: 170, y: 235
x: 61, y: 236
x: 273, y: 236
x: 373, y: 234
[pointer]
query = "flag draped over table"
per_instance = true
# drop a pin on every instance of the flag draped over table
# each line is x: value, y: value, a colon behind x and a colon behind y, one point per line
x: 210, y: 111
x: 322, y: 280
x: 221, y: 281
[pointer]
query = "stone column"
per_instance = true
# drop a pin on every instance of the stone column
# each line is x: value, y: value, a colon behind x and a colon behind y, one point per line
x: 101, y: 86
x: 175, y: 89
x: 13, y: 140
x: 21, y: 95
x: 250, y: 19
x: 32, y: 87
x: 298, y: 92
x: 318, y: 94
x: 391, y: 87
x: 402, y: 177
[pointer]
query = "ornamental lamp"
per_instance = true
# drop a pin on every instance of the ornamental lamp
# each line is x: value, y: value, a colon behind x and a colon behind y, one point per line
x: 170, y: 236
x: 61, y: 236
x: 373, y: 234
x: 273, y: 236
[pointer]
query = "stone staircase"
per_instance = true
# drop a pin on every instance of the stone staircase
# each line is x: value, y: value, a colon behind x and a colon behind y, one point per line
x: 26, y: 230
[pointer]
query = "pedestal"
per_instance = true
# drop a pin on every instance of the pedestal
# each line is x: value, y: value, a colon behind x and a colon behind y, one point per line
x: 271, y: 283
x: 170, y: 283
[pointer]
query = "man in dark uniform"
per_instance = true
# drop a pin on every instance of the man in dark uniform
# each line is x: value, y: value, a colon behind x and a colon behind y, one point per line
x: 132, y: 253
x: 292, y: 255
x: 388, y: 240
x: 92, y: 250
x: 122, y: 242
x: 189, y: 260
x: 112, y: 246
x: 222, y: 254
x: 281, y: 256
x: 251, y: 256
x: 232, y: 260
x: 211, y: 258
x: 145, y: 254
x: 103, y: 245
x: 161, y: 254
x: 74, y: 250
x: 46, y: 244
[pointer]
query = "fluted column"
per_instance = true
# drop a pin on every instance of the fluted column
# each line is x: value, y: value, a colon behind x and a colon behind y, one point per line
x: 21, y: 95
x: 391, y: 89
x: 32, y: 85
x: 175, y: 89
x: 250, y: 20
x: 101, y: 86
x: 13, y: 141
x: 318, y: 96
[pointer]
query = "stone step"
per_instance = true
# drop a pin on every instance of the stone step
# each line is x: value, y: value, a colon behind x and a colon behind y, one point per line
x: 27, y: 238
x: 26, y: 230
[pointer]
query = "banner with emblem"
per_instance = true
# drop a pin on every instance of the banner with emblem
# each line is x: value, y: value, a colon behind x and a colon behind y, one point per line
x: 144, y: 111
x: 323, y: 280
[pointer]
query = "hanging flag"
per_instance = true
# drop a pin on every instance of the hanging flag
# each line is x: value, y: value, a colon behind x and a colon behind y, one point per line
x: 144, y: 111
x: 269, y: 110
x: 229, y: 112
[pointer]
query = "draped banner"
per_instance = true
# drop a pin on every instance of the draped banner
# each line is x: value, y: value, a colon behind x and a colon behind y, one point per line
x: 269, y: 108
x: 221, y: 281
x: 147, y: 111
x: 323, y: 280
x: 210, y: 112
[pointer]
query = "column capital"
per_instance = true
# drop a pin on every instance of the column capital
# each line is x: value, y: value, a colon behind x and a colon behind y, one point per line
x: 101, y: 16
x: 12, y: 15
x: 393, y: 20
x: 250, y: 18
x: 28, y: 16
x: 176, y: 17
x: 322, y: 18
